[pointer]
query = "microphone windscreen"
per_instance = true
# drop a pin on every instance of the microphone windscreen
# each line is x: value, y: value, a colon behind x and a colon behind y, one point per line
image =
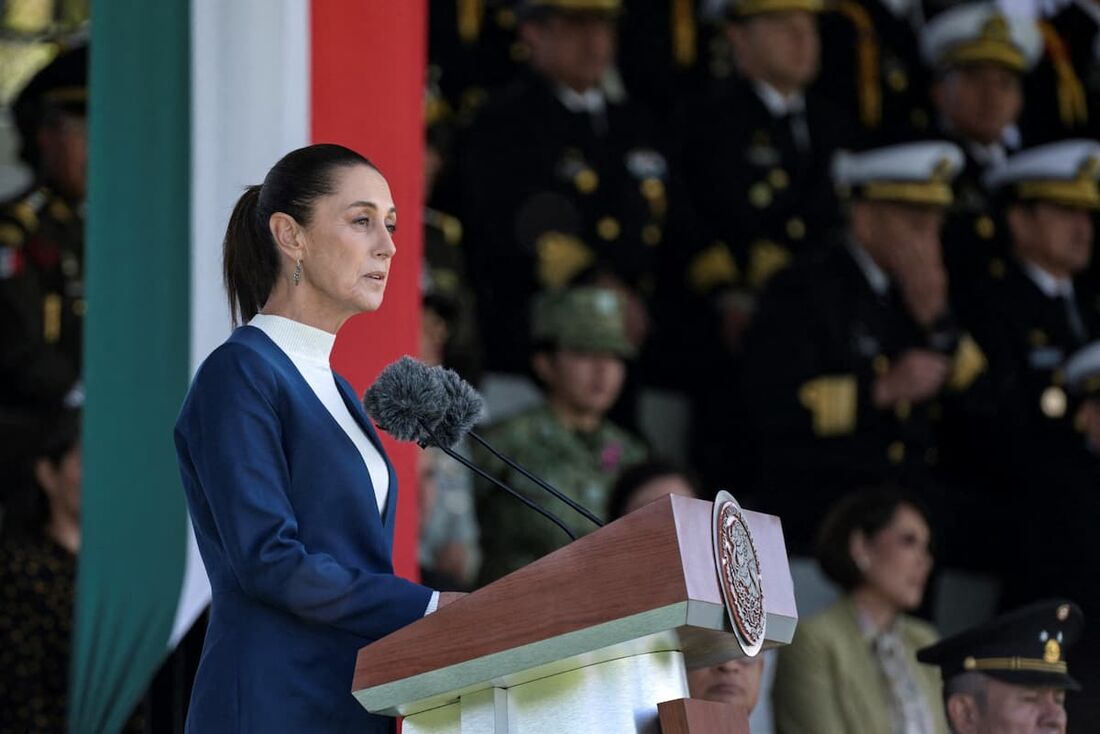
x: 406, y: 395
x: 465, y: 408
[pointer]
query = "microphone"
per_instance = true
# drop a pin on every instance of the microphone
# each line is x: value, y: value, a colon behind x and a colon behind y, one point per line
x: 409, y: 400
x: 468, y: 412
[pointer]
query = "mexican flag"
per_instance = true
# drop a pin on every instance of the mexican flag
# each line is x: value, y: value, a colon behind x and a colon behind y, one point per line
x: 192, y: 100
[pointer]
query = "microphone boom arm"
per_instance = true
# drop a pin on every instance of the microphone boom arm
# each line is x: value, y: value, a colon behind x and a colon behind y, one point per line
x: 577, y: 507
x: 485, y: 475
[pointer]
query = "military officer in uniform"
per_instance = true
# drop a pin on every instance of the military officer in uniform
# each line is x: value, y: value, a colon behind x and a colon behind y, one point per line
x: 562, y: 183
x: 1010, y: 675
x: 850, y: 355
x: 472, y: 49
x: 978, y: 56
x: 580, y: 353
x: 1032, y: 313
x: 755, y: 152
x: 752, y: 165
x: 42, y: 241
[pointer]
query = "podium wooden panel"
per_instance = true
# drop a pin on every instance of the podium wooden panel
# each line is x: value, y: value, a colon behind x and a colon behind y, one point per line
x: 643, y: 589
x: 693, y: 716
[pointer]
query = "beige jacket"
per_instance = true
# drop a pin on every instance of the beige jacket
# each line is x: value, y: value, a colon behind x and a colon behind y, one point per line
x: 828, y: 681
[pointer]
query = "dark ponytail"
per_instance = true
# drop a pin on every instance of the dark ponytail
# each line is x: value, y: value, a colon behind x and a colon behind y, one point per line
x: 251, y: 259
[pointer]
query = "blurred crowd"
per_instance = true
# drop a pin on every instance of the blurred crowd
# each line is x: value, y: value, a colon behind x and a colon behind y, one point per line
x: 835, y: 257
x: 804, y: 248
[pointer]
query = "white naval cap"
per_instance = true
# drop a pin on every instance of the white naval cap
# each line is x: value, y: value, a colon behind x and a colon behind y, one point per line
x: 1064, y: 173
x: 980, y: 32
x: 1082, y: 370
x: 912, y: 173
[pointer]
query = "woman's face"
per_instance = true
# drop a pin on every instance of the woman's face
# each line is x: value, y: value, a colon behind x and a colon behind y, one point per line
x: 896, y: 560
x: 348, y: 245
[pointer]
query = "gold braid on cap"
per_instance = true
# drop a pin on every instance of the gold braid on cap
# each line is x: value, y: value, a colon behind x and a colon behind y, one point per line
x: 1082, y: 191
x: 1011, y: 664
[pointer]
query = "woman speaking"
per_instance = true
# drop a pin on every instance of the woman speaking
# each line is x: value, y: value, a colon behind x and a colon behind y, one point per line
x: 290, y: 492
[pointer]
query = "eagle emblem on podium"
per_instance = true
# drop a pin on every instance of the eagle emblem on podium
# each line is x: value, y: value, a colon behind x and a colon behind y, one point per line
x: 739, y: 577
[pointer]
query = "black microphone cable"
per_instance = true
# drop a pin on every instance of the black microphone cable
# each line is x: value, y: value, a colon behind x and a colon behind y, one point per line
x: 485, y: 475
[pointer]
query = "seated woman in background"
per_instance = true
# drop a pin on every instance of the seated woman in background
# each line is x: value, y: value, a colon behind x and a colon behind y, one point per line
x: 40, y: 542
x: 853, y: 667
x: 734, y: 681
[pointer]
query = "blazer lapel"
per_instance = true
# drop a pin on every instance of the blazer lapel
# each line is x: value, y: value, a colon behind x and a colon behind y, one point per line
x: 364, y: 422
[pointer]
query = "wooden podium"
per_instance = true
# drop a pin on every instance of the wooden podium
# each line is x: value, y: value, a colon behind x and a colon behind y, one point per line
x: 590, y: 638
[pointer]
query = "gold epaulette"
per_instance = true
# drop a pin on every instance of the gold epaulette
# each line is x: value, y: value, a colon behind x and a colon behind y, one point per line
x: 832, y: 400
x: 711, y: 268
x: 766, y: 258
x: 968, y: 363
x: 561, y: 257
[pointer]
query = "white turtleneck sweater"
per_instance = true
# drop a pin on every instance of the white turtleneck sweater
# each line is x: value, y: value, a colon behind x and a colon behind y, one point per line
x: 310, y: 349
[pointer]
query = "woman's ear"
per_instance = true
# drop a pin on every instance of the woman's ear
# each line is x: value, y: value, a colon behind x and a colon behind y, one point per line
x: 286, y: 233
x: 857, y: 548
x: 46, y: 476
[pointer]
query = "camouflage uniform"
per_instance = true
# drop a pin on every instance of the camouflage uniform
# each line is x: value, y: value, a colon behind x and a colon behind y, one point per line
x: 582, y: 465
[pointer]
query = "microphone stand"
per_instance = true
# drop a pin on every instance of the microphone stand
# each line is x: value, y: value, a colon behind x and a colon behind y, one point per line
x: 485, y: 475
x: 577, y: 507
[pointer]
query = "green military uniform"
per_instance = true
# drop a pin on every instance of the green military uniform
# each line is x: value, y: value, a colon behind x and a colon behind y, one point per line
x: 41, y: 297
x: 42, y: 249
x: 581, y: 464
x: 559, y: 188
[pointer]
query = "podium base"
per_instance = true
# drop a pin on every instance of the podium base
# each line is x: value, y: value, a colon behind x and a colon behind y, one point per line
x: 613, y: 697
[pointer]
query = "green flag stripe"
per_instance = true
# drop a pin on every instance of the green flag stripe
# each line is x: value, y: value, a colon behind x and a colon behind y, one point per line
x: 137, y: 356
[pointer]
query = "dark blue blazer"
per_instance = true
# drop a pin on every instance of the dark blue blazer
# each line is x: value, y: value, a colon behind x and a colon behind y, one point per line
x: 298, y: 556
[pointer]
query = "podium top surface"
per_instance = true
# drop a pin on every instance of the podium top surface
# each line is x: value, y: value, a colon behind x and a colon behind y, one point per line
x: 646, y: 581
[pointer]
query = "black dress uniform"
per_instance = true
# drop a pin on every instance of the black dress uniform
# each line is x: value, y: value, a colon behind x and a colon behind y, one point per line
x: 821, y: 338
x: 758, y: 184
x: 553, y: 196
x: 973, y: 235
x: 874, y: 68
x: 472, y: 49
x: 825, y: 331
x: 1025, y: 445
x: 967, y: 34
